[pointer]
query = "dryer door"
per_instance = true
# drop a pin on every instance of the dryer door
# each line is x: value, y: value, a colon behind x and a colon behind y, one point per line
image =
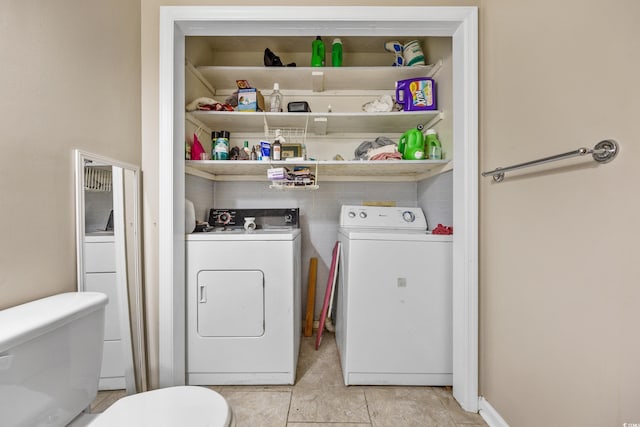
x: 230, y: 303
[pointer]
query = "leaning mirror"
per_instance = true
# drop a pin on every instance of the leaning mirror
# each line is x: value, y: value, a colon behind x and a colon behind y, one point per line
x: 108, y: 259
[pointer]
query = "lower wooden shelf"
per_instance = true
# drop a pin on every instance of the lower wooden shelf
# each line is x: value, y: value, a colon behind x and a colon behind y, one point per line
x: 327, y: 170
x: 314, y: 123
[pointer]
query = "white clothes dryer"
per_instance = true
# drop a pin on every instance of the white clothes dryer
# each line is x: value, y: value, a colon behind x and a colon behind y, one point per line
x: 394, y: 315
x: 243, y: 306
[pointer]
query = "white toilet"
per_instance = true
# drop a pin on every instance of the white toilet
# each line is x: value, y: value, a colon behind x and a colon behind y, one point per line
x: 50, y: 357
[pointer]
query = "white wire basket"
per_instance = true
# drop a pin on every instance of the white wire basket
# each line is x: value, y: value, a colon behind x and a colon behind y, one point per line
x: 292, y: 135
x: 304, y: 182
x: 290, y: 185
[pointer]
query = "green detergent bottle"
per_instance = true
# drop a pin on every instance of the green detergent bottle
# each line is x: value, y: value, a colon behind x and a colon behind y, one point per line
x: 434, y: 148
x: 336, y: 53
x: 317, y: 52
x: 411, y: 145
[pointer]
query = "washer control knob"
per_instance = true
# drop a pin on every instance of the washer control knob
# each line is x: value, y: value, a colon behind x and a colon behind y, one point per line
x: 363, y: 214
x: 224, y: 218
x: 408, y: 216
x: 351, y: 214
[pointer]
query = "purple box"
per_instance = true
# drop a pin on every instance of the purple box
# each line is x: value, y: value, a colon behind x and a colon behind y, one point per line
x: 416, y: 94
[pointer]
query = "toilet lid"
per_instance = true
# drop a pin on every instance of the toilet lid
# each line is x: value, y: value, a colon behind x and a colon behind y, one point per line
x: 174, y: 406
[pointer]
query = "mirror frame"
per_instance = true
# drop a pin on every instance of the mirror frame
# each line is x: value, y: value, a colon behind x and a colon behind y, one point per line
x: 128, y: 277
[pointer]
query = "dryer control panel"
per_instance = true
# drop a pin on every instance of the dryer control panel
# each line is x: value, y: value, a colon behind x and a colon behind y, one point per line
x: 286, y: 218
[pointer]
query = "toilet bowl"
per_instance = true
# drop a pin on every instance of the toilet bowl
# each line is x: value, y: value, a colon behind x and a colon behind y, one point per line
x: 50, y: 357
x: 174, y: 406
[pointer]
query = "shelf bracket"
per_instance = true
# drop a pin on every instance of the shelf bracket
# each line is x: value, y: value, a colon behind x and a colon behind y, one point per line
x: 199, y: 126
x: 320, y: 125
x: 198, y: 75
x: 199, y: 173
x: 188, y: 117
x: 431, y: 123
x: 317, y: 81
x: 436, y: 68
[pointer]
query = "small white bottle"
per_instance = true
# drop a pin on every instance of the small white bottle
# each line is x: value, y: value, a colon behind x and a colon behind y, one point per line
x: 275, y: 101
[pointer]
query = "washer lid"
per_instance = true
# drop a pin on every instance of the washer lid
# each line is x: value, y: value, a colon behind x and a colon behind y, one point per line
x: 168, y: 407
x: 395, y: 235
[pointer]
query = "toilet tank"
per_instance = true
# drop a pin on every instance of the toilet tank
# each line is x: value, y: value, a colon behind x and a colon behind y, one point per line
x: 50, y: 357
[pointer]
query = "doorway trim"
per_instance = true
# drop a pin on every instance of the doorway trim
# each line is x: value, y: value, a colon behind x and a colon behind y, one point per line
x: 459, y: 23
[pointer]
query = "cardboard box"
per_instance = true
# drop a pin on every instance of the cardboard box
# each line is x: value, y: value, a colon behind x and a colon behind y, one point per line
x: 247, y: 100
x: 277, y: 173
x: 250, y: 100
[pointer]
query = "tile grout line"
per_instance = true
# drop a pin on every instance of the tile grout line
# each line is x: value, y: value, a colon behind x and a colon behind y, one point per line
x: 366, y: 402
x: 286, y: 421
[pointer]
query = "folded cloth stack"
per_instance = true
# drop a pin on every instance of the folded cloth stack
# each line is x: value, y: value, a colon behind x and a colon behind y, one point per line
x: 388, y: 152
x: 368, y: 149
x: 208, y: 104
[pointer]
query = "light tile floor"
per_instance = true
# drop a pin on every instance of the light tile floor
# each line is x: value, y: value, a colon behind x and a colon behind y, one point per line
x: 320, y: 399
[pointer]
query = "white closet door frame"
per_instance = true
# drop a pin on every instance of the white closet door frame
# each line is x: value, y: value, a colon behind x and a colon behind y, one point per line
x: 459, y: 23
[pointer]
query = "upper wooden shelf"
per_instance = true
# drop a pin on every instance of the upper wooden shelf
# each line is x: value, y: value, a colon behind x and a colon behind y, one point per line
x: 315, y: 78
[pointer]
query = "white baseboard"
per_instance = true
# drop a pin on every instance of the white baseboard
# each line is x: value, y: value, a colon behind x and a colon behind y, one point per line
x: 489, y: 414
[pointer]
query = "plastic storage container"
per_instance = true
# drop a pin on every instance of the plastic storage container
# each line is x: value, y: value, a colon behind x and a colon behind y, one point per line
x: 221, y: 148
x: 416, y: 94
x: 317, y: 52
x: 275, y: 101
x: 411, y: 145
x: 412, y: 53
x: 433, y: 146
x: 336, y: 53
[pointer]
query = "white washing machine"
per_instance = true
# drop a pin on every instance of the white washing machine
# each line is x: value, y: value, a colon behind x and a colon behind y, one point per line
x: 394, y: 315
x: 243, y: 303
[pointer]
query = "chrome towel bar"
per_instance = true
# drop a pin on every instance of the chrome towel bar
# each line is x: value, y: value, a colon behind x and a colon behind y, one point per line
x: 603, y: 152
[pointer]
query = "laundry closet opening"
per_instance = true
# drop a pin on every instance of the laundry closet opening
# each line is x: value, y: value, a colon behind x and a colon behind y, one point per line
x: 333, y: 129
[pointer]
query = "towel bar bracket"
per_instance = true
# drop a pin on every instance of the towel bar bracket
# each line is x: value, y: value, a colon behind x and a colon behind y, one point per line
x: 605, y: 151
x: 498, y: 176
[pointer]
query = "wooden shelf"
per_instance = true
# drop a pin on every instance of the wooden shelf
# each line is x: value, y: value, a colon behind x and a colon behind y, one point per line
x: 312, y: 83
x: 327, y: 170
x: 305, y: 78
x: 318, y: 123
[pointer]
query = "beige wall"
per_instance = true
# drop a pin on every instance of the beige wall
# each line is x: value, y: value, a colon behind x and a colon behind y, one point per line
x: 559, y: 267
x: 558, y: 281
x: 69, y: 79
x: 558, y: 270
